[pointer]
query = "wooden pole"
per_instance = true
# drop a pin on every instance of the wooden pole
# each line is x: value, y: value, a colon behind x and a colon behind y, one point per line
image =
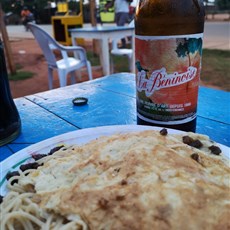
x: 92, y: 13
x: 6, y: 42
x: 96, y: 44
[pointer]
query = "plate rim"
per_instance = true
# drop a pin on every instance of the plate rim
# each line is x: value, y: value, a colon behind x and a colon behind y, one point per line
x: 89, y: 133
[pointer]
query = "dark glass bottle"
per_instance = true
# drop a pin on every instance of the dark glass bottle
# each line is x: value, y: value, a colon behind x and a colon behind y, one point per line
x: 168, y: 50
x: 10, y: 123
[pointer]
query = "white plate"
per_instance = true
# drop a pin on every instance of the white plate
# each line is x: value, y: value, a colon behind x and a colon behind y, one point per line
x: 81, y: 136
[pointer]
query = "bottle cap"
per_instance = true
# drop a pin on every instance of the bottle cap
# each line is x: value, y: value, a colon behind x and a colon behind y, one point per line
x: 80, y: 101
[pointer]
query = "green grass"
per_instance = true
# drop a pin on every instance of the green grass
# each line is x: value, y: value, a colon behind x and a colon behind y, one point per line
x: 216, y: 68
x: 121, y: 63
x: 20, y: 75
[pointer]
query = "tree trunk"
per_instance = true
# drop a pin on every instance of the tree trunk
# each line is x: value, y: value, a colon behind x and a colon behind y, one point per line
x: 96, y: 43
x: 92, y: 13
x: 6, y: 42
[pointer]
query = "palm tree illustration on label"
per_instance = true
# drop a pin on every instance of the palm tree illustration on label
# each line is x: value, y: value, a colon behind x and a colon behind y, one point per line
x: 187, y: 46
x: 160, y: 78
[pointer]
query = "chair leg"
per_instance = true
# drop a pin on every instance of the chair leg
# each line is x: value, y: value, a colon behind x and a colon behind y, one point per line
x: 130, y: 64
x: 50, y: 78
x: 78, y: 72
x: 72, y: 77
x: 89, y: 69
x: 111, y: 64
x: 62, y: 77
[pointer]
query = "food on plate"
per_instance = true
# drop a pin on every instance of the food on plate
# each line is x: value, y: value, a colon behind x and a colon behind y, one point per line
x: 139, y: 180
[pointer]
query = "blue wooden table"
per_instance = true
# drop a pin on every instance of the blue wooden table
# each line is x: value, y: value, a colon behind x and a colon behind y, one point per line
x: 111, y: 101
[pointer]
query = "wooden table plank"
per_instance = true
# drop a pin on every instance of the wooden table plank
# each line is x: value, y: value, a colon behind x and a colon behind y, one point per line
x: 5, y: 152
x: 214, y: 104
x: 103, y: 108
x: 35, y: 118
x: 37, y: 125
x: 123, y: 83
x: 15, y: 147
x: 218, y: 132
x: 115, y: 88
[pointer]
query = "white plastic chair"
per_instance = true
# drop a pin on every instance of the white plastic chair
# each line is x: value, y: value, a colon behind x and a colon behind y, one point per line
x: 120, y: 52
x: 65, y: 65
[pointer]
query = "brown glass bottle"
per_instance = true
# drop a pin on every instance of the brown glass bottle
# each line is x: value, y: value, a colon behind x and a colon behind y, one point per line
x: 168, y: 50
x: 10, y: 123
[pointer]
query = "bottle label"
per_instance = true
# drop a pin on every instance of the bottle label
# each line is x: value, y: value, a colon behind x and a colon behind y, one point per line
x: 167, y: 78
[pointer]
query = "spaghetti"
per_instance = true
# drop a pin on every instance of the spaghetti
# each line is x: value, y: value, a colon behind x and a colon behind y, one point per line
x: 139, y: 180
x: 20, y: 210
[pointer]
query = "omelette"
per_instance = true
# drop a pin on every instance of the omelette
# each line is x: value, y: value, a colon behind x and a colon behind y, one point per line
x: 139, y: 180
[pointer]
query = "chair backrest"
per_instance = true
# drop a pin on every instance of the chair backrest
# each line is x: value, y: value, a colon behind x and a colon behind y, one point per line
x: 117, y: 39
x: 46, y: 43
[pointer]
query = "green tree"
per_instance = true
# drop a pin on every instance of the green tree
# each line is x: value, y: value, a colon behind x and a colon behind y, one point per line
x: 185, y: 47
x: 15, y: 6
x: 11, y: 6
x: 223, y: 4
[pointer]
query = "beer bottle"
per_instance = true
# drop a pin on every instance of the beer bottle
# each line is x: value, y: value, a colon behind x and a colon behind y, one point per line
x: 10, y: 124
x: 168, y: 50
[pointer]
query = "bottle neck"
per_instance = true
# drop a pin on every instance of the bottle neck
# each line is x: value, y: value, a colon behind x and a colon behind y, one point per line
x: 169, y: 17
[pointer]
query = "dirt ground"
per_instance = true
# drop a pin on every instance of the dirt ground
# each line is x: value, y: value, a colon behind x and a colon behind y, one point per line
x: 28, y: 55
